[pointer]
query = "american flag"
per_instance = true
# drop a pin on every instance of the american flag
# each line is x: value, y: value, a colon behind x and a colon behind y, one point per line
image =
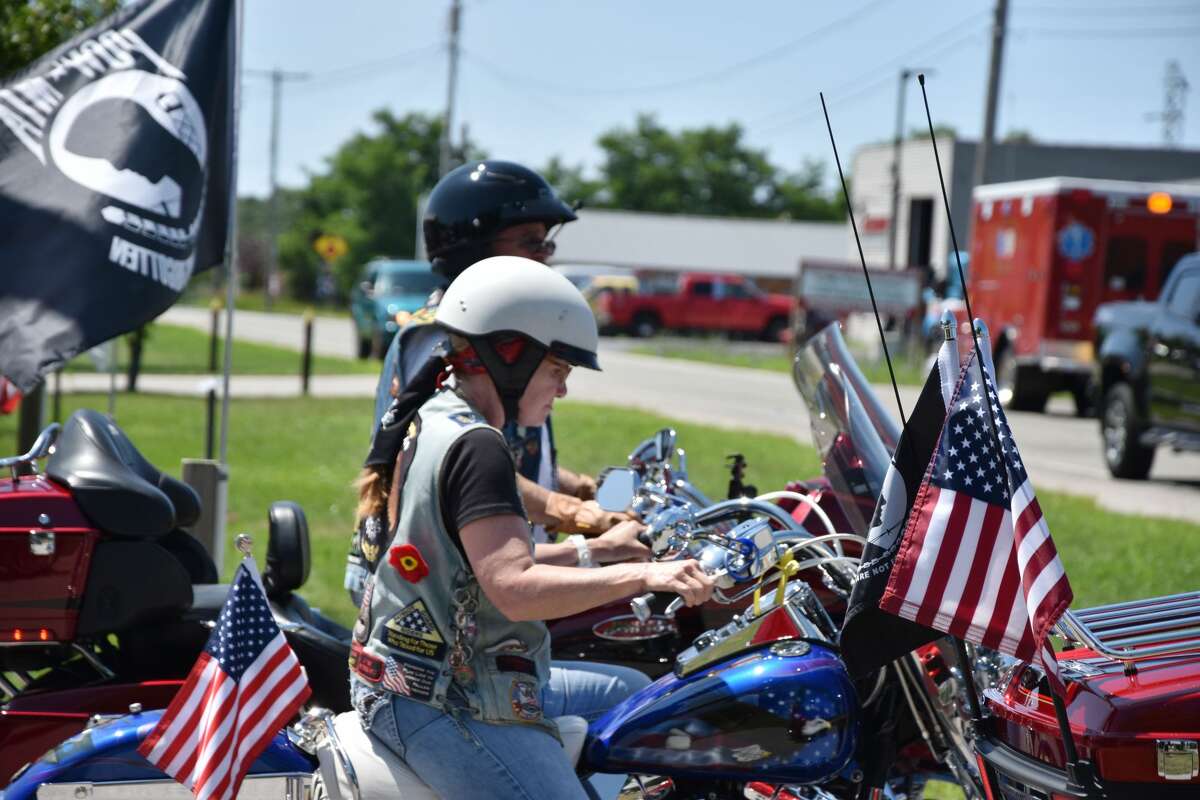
x: 977, y: 560
x: 246, y: 684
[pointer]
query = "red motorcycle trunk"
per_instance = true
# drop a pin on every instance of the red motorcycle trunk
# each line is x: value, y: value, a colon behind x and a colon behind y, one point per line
x: 45, y: 548
x: 1137, y: 728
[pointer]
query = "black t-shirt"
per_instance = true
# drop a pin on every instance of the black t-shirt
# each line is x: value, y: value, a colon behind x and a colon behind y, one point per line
x: 478, y: 480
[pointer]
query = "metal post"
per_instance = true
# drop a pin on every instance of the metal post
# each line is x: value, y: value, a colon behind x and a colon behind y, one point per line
x: 999, y: 25
x: 31, y: 417
x: 210, y: 421
x: 306, y: 358
x: 230, y: 247
x: 214, y: 334
x: 444, y: 165
x: 57, y: 415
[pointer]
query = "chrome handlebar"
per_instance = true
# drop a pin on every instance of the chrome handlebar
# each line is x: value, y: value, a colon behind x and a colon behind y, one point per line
x: 41, y: 448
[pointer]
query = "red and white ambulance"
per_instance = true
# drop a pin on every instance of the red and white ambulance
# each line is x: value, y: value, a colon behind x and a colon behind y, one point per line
x: 1046, y: 252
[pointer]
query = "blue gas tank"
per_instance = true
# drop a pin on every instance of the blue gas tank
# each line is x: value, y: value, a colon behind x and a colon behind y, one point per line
x: 785, y: 712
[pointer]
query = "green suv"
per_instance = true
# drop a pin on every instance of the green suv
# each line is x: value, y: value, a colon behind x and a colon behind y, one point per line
x: 389, y: 288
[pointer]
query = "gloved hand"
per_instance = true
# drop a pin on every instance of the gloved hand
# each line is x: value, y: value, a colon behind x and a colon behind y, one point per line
x: 572, y: 515
x: 576, y: 484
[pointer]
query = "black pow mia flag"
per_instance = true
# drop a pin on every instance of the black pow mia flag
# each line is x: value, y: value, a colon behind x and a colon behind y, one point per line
x: 871, y: 637
x: 116, y: 173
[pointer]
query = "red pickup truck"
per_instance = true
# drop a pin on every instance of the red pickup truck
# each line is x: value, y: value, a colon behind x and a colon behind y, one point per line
x: 701, y: 301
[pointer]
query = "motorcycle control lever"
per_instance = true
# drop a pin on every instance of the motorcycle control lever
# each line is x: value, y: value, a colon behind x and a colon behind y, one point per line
x: 641, y: 603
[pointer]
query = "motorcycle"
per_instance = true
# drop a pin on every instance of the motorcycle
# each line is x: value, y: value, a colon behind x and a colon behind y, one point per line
x: 105, y: 601
x: 761, y: 706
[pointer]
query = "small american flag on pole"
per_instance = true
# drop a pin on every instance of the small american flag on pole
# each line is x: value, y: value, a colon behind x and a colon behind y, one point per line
x: 977, y: 560
x: 246, y: 684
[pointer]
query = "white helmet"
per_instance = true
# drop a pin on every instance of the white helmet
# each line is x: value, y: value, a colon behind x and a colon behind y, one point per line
x: 506, y: 296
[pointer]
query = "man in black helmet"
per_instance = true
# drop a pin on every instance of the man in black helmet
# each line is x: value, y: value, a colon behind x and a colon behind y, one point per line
x: 481, y: 209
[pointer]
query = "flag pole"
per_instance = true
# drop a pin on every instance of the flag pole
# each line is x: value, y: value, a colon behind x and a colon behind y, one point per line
x: 1078, y: 772
x: 231, y: 242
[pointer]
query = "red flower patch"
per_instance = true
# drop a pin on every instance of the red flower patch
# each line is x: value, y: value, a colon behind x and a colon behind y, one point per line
x: 408, y: 562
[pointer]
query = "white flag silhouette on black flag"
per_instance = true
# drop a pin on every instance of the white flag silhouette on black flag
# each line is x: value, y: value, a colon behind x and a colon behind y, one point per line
x: 871, y: 637
x: 116, y: 174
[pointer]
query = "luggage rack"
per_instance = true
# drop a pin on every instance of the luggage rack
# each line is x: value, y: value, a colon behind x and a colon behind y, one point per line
x: 41, y: 448
x: 1139, y: 629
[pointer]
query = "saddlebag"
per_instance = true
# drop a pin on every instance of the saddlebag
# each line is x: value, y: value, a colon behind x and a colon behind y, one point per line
x: 1133, y: 700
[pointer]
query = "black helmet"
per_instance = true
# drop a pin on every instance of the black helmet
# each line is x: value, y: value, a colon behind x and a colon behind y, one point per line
x: 474, y: 202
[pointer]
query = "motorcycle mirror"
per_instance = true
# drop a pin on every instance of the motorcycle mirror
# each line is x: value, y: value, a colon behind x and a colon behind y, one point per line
x: 664, y: 442
x: 617, y: 487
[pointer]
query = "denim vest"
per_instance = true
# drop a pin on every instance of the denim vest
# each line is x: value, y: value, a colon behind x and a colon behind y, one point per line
x: 426, y: 630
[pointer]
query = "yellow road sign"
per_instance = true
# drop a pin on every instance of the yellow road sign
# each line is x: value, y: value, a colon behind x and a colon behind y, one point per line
x: 330, y: 247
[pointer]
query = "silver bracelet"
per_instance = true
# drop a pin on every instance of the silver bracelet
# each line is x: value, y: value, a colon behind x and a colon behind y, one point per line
x: 582, y: 550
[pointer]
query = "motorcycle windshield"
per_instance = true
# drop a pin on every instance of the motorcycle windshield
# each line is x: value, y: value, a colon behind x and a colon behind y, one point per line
x: 853, y: 432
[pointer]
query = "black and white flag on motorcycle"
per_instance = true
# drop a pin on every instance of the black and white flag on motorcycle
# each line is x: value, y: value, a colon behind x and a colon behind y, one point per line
x: 872, y: 637
x: 116, y: 173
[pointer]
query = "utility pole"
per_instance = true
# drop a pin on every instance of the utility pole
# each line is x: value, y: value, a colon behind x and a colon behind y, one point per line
x: 277, y: 77
x: 444, y: 164
x: 999, y: 25
x: 897, y: 142
x: 1175, y: 96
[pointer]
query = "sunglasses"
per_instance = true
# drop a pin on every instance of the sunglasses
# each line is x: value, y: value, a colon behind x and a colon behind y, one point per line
x: 530, y: 244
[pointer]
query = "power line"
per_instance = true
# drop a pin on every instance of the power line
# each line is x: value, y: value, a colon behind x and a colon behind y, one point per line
x: 1109, y: 33
x: 1113, y: 11
x: 681, y: 83
x: 883, y: 74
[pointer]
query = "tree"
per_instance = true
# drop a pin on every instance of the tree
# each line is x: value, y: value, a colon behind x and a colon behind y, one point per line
x: 942, y: 129
x: 367, y: 195
x: 707, y: 170
x: 1018, y: 136
x: 30, y: 29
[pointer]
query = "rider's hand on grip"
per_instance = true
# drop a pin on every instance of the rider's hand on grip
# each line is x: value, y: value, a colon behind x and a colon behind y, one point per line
x: 685, y: 578
x: 622, y: 542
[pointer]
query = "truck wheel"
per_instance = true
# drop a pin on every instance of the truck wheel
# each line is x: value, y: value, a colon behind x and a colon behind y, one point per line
x: 1121, y: 430
x: 775, y: 330
x: 645, y: 325
x: 1020, y: 388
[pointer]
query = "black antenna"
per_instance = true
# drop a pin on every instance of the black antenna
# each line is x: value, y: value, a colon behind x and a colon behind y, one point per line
x: 863, y: 260
x: 1078, y: 772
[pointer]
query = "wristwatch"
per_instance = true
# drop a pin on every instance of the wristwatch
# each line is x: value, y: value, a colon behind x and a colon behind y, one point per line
x: 582, y: 550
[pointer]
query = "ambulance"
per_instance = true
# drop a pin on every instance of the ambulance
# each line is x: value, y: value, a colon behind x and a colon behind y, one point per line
x: 1045, y: 253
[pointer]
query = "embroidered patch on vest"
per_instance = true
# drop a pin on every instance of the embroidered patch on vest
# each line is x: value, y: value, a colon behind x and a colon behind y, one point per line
x: 465, y: 418
x: 366, y: 665
x: 526, y: 702
x: 413, y: 630
x: 407, y: 560
x: 402, y: 676
x: 362, y: 623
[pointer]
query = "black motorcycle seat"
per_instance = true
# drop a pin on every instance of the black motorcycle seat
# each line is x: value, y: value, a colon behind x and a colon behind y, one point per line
x: 116, y: 487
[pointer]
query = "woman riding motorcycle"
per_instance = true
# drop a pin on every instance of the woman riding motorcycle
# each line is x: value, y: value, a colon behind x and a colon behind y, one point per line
x: 451, y: 659
x: 481, y: 209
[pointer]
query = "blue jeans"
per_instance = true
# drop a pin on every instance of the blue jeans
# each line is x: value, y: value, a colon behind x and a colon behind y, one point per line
x: 464, y: 758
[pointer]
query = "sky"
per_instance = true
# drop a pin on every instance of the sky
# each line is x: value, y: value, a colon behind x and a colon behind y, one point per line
x: 540, y: 78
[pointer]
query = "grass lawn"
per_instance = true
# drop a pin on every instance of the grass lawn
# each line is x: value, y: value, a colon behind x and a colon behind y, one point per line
x: 909, y: 370
x: 257, y: 301
x: 174, y: 349
x: 309, y: 450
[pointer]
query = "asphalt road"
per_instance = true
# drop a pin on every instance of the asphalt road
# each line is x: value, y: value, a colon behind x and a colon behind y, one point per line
x: 1061, y: 451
